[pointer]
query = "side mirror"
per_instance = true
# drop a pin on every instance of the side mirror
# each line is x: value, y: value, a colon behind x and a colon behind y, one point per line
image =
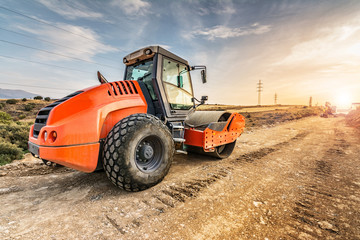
x: 204, y: 98
x: 203, y: 76
x: 180, y: 82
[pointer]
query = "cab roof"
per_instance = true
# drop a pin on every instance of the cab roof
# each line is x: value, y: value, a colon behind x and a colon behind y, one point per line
x: 148, y: 52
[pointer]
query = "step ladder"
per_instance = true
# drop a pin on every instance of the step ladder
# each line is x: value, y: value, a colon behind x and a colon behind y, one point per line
x: 177, y: 132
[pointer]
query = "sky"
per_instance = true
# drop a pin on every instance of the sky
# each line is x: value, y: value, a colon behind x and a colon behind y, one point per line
x: 298, y: 49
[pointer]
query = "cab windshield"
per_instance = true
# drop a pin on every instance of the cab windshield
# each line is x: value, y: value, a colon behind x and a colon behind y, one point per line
x: 142, y: 71
x: 139, y: 71
x: 177, y: 84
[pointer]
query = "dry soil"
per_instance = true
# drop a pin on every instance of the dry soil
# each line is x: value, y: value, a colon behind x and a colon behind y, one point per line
x: 295, y: 180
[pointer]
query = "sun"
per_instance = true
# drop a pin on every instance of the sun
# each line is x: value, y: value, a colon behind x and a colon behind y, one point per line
x: 343, y: 100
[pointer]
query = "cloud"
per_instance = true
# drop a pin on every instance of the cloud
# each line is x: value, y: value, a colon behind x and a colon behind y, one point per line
x: 85, y: 44
x: 224, y: 32
x: 331, y: 47
x: 70, y: 11
x: 132, y: 7
x: 226, y: 9
x: 217, y: 9
x: 167, y: 47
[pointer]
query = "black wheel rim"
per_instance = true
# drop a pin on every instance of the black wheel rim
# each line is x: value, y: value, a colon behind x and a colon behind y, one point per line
x: 148, y: 154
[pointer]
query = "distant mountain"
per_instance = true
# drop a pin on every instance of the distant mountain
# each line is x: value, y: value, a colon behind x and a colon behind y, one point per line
x: 10, y: 93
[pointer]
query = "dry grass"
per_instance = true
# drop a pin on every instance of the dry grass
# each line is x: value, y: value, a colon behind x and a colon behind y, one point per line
x: 15, y: 120
x: 353, y: 118
x: 23, y: 110
x: 234, y: 108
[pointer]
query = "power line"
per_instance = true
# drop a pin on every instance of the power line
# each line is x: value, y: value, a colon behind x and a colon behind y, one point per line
x: 49, y: 24
x: 73, y: 6
x: 58, y: 54
x: 46, y: 64
x: 43, y: 22
x: 56, y: 44
x: 63, y: 29
x: 22, y: 85
x: 52, y: 25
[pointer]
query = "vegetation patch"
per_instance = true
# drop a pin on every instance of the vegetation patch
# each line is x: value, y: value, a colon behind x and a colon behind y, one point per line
x: 5, y: 118
x: 38, y: 98
x: 15, y: 121
x: 28, y: 108
x: 9, y: 152
x: 258, y: 119
x: 353, y: 118
x: 15, y: 133
x: 13, y: 141
x: 12, y: 101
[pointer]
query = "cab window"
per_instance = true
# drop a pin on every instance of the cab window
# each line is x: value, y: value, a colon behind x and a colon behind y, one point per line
x: 142, y: 72
x: 177, y: 84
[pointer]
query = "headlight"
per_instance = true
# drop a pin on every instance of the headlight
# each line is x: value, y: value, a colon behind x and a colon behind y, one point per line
x: 45, y: 135
x: 148, y: 51
x: 53, y: 136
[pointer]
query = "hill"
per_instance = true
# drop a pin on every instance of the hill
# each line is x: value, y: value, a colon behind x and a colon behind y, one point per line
x: 11, y: 93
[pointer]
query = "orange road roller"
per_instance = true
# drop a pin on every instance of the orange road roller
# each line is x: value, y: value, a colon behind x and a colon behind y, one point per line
x: 132, y: 128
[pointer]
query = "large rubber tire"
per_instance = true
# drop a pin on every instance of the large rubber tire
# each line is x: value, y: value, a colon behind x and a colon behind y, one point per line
x: 138, y: 152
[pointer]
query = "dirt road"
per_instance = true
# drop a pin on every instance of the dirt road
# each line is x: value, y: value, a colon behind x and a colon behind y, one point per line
x: 297, y: 180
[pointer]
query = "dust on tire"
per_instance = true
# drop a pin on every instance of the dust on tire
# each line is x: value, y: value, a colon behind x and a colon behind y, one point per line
x: 120, y: 159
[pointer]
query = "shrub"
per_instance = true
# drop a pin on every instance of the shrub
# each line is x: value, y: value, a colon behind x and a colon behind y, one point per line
x: 29, y: 107
x: 22, y: 116
x: 15, y: 134
x: 353, y: 118
x: 38, y: 98
x: 24, y: 99
x: 9, y: 152
x: 47, y: 99
x: 5, y: 118
x: 11, y: 101
x: 2, y: 105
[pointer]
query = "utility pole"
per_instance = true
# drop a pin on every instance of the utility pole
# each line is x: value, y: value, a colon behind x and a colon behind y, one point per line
x: 259, y: 90
x: 310, y: 102
x: 275, y: 99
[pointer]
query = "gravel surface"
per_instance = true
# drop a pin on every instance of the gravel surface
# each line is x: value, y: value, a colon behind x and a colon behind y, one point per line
x: 294, y: 180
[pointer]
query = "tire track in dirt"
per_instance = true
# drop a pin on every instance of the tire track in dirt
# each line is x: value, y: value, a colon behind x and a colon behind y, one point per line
x: 168, y: 197
x: 252, y: 156
x: 318, y: 213
x: 180, y: 192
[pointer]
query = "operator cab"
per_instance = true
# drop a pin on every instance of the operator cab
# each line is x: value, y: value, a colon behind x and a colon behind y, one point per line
x: 164, y: 79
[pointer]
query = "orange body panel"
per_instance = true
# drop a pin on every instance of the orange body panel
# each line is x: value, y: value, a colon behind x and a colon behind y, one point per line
x: 209, y: 139
x: 81, y: 121
x: 80, y: 157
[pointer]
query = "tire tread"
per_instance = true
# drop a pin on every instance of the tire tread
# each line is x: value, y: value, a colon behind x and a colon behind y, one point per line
x: 117, y: 171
